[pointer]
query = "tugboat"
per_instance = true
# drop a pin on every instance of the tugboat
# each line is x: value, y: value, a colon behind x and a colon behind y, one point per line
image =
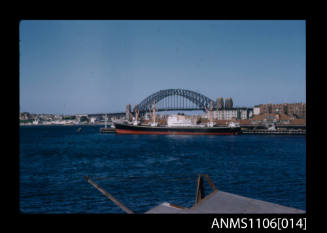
x: 106, y: 129
x: 179, y: 125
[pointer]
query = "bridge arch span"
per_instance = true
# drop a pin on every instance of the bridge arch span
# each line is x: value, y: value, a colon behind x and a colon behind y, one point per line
x: 201, y: 101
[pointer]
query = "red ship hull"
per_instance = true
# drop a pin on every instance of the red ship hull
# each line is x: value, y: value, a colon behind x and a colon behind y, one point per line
x: 130, y: 129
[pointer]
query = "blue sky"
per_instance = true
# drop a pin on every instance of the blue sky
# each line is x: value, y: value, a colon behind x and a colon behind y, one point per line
x: 70, y: 67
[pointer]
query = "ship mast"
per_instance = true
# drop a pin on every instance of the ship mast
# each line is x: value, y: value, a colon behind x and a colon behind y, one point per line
x: 210, y: 112
x: 154, y: 112
x: 136, y: 114
x: 154, y: 116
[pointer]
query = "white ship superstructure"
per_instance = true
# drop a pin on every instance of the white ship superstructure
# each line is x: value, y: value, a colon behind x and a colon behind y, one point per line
x: 179, y: 121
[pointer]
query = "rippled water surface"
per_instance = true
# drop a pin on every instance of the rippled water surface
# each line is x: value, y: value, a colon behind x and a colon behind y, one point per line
x: 143, y: 171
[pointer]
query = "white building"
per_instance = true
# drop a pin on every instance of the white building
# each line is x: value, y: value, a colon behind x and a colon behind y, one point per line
x: 225, y: 114
x: 228, y: 114
x: 256, y: 110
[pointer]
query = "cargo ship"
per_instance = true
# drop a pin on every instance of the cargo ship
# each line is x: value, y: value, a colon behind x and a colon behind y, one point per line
x: 178, y: 125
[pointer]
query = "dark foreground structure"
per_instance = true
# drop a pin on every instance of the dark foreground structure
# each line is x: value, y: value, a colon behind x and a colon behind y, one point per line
x: 216, y: 202
x: 220, y: 202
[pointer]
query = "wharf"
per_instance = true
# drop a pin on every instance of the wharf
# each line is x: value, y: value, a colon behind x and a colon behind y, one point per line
x: 275, y: 132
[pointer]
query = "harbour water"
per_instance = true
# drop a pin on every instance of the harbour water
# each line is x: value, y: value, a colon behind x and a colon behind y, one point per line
x: 142, y: 171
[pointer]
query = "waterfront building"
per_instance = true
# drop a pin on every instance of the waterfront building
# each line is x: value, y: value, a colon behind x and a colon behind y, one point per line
x: 277, y: 118
x: 225, y: 114
x: 234, y: 113
x: 24, y: 116
x: 59, y: 117
x: 256, y: 110
x: 80, y: 117
x: 294, y: 109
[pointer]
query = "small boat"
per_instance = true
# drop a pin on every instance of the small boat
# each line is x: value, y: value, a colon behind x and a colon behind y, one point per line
x: 107, y: 129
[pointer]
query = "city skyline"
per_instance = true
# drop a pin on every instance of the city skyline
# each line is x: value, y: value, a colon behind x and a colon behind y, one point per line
x: 70, y: 67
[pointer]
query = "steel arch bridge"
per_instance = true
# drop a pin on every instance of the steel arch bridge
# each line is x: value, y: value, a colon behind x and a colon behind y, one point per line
x: 175, y: 99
